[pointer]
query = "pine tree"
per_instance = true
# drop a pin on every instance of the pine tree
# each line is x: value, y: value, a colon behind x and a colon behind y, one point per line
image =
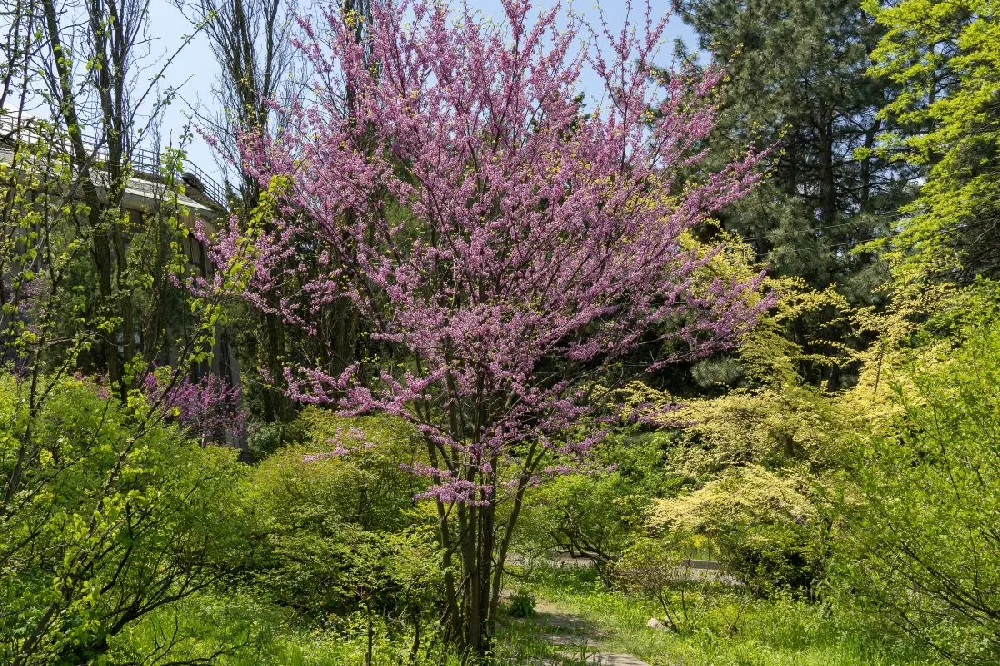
x: 798, y: 81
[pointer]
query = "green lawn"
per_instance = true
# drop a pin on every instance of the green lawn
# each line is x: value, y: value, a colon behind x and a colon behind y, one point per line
x: 575, y: 617
x: 725, y: 629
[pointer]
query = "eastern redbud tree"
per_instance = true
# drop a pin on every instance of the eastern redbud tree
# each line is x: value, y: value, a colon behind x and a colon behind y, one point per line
x: 517, y: 252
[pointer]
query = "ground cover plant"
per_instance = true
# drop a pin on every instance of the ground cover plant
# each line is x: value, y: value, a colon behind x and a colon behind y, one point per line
x: 773, y: 632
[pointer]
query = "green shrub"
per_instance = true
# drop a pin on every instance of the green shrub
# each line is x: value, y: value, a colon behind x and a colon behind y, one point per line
x: 339, y: 533
x: 597, y: 515
x: 923, y: 550
x: 114, y: 517
x: 760, y: 525
x: 592, y: 516
x: 521, y: 604
x: 264, y: 438
x: 689, y: 600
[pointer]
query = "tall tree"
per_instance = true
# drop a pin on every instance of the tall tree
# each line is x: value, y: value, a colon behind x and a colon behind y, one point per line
x: 945, y: 60
x: 797, y: 79
x: 86, y: 545
x: 251, y: 43
x: 511, y: 251
x: 20, y: 21
x: 101, y: 86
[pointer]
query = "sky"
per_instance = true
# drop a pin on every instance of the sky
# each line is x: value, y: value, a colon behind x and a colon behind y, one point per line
x: 194, y: 70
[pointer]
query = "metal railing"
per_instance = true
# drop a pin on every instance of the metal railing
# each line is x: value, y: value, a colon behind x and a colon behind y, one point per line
x: 141, y: 160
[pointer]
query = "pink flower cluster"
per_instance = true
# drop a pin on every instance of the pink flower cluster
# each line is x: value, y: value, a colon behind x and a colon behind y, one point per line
x: 210, y: 410
x: 517, y: 250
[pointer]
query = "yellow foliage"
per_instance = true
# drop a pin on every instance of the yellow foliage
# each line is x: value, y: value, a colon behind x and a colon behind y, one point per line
x: 745, y: 495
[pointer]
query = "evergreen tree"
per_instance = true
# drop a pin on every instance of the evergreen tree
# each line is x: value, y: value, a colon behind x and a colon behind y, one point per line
x: 798, y: 81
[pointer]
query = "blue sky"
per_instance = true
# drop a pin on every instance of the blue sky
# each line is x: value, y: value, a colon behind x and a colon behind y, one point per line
x: 194, y: 70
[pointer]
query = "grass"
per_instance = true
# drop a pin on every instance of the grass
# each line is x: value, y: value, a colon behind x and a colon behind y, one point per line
x: 239, y: 630
x: 781, y: 632
x: 576, y: 617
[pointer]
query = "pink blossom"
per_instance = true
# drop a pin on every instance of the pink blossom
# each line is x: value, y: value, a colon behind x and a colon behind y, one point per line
x: 513, y: 246
x: 209, y: 409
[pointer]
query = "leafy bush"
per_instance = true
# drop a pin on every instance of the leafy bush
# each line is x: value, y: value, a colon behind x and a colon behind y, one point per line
x: 265, y: 438
x: 521, y: 604
x: 342, y: 532
x: 584, y: 515
x: 115, y: 518
x: 924, y: 550
x: 597, y: 515
x: 752, y: 466
x: 660, y: 569
x: 760, y: 525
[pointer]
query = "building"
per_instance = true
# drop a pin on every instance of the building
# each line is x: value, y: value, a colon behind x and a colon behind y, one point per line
x: 201, y: 199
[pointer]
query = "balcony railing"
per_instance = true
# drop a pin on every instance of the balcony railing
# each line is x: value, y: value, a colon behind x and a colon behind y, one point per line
x: 144, y: 162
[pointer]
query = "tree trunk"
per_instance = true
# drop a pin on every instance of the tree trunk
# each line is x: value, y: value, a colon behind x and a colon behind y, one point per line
x: 277, y: 406
x: 101, y: 241
x: 866, y: 166
x: 828, y: 183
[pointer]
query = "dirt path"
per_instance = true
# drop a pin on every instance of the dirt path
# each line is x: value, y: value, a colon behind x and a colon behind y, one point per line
x: 579, y: 640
